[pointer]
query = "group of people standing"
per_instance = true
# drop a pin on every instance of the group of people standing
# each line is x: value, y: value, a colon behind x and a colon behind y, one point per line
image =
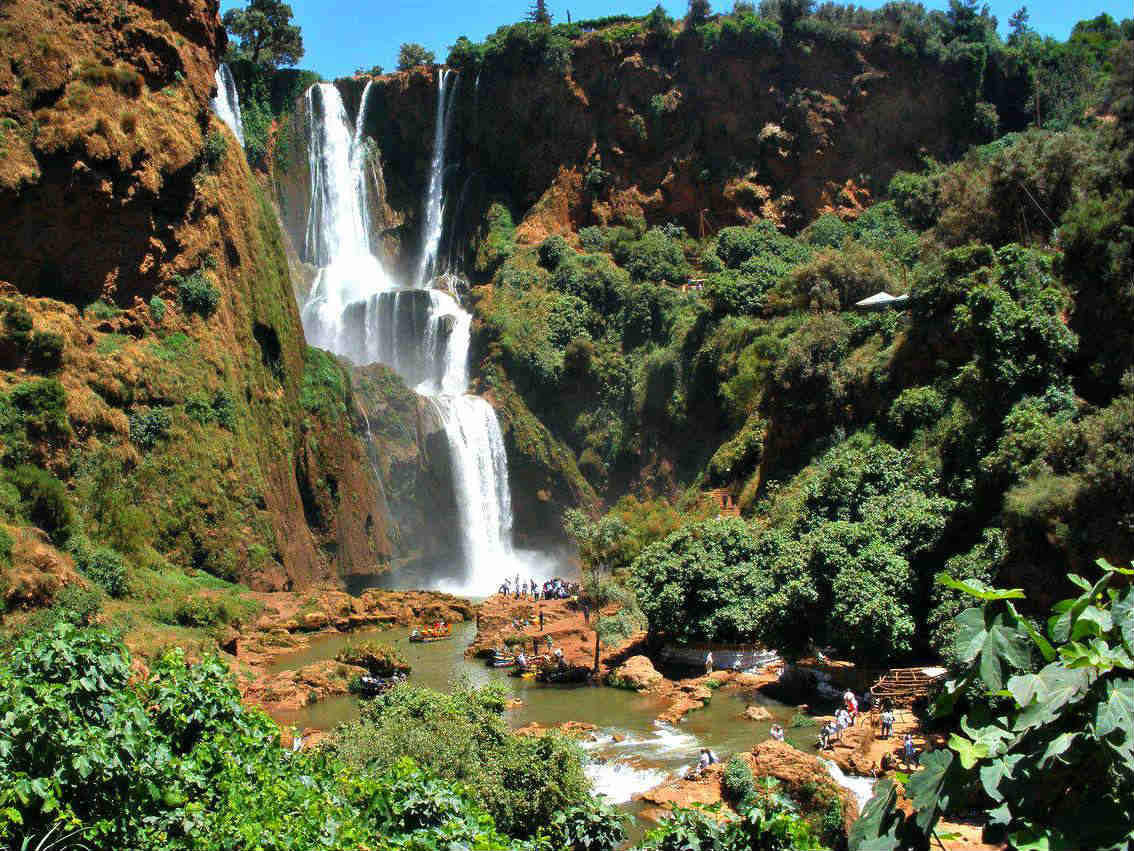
x: 552, y: 589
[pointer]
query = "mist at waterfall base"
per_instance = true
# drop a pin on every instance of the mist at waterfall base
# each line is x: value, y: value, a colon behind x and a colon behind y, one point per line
x: 358, y: 311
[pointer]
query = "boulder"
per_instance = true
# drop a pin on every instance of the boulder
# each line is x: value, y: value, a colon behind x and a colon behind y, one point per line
x: 637, y: 673
x: 757, y: 713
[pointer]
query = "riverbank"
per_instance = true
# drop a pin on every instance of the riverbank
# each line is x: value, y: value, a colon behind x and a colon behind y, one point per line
x: 290, y: 621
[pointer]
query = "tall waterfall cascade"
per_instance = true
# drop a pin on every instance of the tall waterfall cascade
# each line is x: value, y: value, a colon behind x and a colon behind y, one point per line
x: 356, y: 310
x: 226, y: 104
x: 434, y: 212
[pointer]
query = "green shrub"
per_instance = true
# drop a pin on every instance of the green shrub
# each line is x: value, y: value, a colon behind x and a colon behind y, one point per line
x: 45, y: 350
x: 324, y: 388
x: 103, y: 565
x: 654, y: 257
x: 591, y: 826
x: 198, y: 409
x: 593, y: 238
x: 552, y: 252
x: 72, y: 605
x: 42, y: 407
x: 735, y: 245
x: 157, y: 309
x: 44, y: 500
x: 101, y: 310
x: 216, y: 147
x: 462, y: 735
x: 380, y: 659
x: 799, y: 720
x: 136, y: 758
x: 5, y: 548
x: 148, y: 427
x: 499, y: 240
x: 917, y: 198
x: 836, y: 278
x: 737, y: 782
x: 916, y: 407
x: 17, y: 322
x: 827, y: 231
x: 197, y: 293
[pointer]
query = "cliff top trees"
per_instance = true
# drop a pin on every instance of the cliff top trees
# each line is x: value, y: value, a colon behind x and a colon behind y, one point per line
x: 265, y: 33
x: 539, y: 13
x: 412, y: 54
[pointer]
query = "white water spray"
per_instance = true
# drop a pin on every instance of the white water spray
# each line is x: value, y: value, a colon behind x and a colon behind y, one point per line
x: 227, y: 102
x: 356, y: 311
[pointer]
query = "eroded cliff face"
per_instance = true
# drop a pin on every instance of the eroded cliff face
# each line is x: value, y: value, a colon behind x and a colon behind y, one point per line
x: 131, y: 226
x: 668, y: 131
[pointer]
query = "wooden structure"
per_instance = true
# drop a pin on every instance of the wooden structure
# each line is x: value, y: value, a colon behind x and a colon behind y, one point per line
x: 902, y: 686
x: 726, y: 502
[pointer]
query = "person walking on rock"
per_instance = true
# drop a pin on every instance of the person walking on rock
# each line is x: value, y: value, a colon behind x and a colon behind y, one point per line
x: 709, y: 663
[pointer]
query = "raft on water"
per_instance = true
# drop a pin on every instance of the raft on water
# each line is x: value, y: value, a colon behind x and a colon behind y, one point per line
x: 431, y: 633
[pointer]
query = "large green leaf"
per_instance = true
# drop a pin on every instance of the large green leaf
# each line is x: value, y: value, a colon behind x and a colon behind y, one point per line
x: 927, y: 788
x: 1123, y: 612
x: 1116, y: 713
x: 996, y: 770
x: 1059, y: 687
x: 970, y: 752
x: 877, y: 828
x: 976, y: 588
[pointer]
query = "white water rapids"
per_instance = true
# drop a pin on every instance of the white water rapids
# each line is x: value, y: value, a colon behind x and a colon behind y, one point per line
x: 357, y: 311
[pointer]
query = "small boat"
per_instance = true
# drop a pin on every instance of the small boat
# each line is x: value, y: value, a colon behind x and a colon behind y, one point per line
x: 564, y: 674
x: 502, y: 661
x: 432, y: 633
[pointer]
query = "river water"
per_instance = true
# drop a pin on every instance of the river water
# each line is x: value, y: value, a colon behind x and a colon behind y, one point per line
x: 631, y: 752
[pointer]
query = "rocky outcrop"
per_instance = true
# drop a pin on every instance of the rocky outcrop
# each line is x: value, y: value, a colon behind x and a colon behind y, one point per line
x: 406, y: 443
x: 131, y: 227
x: 288, y: 691
x: 637, y: 673
x: 801, y: 777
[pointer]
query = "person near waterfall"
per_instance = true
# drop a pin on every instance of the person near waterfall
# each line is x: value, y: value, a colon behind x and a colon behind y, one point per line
x: 709, y: 663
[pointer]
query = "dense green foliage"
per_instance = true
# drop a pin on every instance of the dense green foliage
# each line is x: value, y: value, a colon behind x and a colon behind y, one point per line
x: 197, y: 293
x: 766, y: 823
x: 175, y: 761
x: 263, y: 33
x: 462, y: 736
x: 412, y: 54
x: 1048, y: 747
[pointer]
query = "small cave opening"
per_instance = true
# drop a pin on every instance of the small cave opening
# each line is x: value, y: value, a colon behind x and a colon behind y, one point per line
x: 271, y: 353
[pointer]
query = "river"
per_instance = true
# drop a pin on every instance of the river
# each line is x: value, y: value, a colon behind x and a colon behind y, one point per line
x: 631, y: 752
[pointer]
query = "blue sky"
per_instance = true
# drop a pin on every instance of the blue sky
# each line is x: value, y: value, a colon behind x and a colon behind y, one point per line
x: 341, y: 35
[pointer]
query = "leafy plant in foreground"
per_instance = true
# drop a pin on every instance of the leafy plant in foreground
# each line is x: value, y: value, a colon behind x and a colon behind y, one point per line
x: 1051, y: 753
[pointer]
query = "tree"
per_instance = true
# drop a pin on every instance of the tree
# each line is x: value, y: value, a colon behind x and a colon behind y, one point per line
x: 699, y: 11
x: 412, y: 54
x: 1019, y: 30
x: 265, y: 33
x: 539, y: 14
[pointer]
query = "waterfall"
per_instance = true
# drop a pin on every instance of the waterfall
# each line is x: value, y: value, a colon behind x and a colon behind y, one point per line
x: 357, y: 311
x: 480, y: 473
x: 227, y: 102
x: 434, y: 212
x: 337, y: 238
